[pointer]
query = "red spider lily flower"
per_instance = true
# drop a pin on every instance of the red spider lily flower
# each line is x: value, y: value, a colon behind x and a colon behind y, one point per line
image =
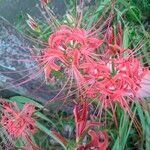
x: 80, y: 115
x: 32, y: 23
x: 18, y: 123
x: 69, y: 62
x: 125, y: 82
x: 118, y: 83
x: 95, y: 70
x: 71, y: 47
x: 67, y: 37
x: 132, y: 70
x: 115, y: 90
x: 81, y: 123
x: 99, y: 141
x: 131, y: 67
x: 114, y: 78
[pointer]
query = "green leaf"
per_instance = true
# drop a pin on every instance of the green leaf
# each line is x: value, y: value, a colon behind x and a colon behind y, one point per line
x: 23, y: 100
x: 58, y: 74
x: 48, y: 132
x: 97, y: 13
x: 44, y: 117
x: 19, y: 143
x: 126, y: 38
x: 144, y: 117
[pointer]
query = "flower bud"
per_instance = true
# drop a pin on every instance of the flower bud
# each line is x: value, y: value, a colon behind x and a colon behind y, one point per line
x: 32, y: 24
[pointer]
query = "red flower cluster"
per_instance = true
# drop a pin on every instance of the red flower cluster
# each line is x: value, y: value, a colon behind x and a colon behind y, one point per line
x: 18, y: 123
x: 108, y: 73
x: 72, y: 47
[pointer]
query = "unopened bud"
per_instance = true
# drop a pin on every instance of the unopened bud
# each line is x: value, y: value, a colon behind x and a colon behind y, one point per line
x: 32, y: 23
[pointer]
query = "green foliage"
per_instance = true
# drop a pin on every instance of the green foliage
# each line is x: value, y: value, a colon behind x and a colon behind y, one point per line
x: 21, y: 100
x: 48, y: 132
x: 144, y: 117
